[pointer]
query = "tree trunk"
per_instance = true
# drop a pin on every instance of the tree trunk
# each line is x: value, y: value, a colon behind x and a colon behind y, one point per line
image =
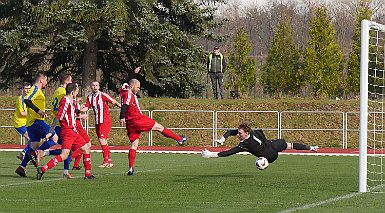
x: 89, y: 64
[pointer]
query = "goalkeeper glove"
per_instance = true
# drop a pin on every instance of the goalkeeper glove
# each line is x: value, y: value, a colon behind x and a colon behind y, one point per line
x: 221, y: 140
x: 207, y: 154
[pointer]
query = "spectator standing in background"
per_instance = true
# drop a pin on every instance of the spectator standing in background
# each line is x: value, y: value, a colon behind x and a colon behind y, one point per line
x: 216, y: 67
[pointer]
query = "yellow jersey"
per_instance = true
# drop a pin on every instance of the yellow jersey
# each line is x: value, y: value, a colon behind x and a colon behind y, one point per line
x: 20, y: 107
x: 38, y: 99
x: 57, y: 96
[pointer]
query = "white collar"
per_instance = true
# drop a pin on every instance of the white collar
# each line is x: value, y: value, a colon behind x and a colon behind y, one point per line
x: 246, y: 138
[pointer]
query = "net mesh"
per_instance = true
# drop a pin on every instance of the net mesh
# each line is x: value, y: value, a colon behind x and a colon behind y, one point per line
x: 376, y: 112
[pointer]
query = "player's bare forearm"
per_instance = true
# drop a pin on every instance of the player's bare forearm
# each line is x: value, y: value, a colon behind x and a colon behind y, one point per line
x: 84, y: 109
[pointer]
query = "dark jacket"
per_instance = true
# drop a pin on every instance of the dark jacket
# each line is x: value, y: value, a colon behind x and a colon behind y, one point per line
x: 216, y: 63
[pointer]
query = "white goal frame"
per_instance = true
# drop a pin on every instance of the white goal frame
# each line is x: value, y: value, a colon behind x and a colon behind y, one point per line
x: 364, y: 72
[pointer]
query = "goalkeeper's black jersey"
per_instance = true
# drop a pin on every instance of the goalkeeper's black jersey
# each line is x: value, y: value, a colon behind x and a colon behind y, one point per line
x: 255, y: 143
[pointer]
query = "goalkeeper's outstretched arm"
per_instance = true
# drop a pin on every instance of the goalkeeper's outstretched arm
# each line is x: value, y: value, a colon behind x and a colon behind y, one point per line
x: 226, y: 135
x: 207, y: 154
x: 231, y: 151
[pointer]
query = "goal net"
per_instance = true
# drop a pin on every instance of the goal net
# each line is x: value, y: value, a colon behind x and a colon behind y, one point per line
x: 372, y: 108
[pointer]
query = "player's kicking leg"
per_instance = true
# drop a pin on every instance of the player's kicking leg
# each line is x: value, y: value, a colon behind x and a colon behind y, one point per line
x: 180, y: 139
x: 52, y: 163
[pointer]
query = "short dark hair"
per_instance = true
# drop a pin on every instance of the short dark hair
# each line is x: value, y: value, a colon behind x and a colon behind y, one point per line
x: 26, y: 84
x: 94, y: 81
x: 39, y: 75
x: 216, y: 48
x: 71, y: 87
x: 245, y: 126
x: 64, y: 76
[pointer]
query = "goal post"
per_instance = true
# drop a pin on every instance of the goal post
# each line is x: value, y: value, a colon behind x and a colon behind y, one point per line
x: 372, y: 107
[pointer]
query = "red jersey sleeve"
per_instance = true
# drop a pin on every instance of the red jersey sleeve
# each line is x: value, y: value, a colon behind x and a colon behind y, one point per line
x: 106, y: 98
x: 88, y: 104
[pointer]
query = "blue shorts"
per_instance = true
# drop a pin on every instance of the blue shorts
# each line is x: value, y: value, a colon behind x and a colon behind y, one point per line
x: 38, y: 130
x: 22, y: 130
x: 57, y: 130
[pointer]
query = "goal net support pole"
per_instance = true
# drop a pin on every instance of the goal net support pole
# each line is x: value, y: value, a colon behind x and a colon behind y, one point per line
x: 371, y: 175
x: 364, y: 66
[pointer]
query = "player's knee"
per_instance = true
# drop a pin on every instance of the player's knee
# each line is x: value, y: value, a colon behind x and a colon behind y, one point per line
x: 64, y: 154
x: 86, y: 149
x: 55, y: 138
x: 158, y: 127
x: 289, y: 145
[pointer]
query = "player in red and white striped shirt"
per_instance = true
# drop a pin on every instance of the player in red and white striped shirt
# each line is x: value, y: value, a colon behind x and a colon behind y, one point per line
x: 77, y: 155
x: 71, y: 139
x: 98, y: 101
x: 136, y: 122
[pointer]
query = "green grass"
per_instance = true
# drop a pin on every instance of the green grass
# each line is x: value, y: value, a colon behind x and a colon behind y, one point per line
x: 188, y: 183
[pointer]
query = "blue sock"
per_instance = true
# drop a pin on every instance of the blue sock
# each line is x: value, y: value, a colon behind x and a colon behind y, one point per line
x: 55, y: 152
x: 26, y: 158
x: 67, y: 162
x: 47, y: 144
x: 26, y: 149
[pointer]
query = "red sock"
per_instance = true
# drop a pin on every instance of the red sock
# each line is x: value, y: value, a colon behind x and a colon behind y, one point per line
x: 77, y: 160
x: 52, y: 163
x: 170, y: 134
x: 77, y: 153
x: 106, y: 153
x: 131, y: 157
x: 87, y: 164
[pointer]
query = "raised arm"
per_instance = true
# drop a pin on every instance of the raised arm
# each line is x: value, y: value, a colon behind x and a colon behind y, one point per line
x: 226, y: 135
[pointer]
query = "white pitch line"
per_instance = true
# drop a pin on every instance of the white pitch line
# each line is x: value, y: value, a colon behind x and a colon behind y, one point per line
x: 331, y: 200
x: 58, y: 179
x: 320, y: 203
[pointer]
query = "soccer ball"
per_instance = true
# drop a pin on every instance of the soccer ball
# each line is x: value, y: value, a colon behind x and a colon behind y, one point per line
x: 261, y: 163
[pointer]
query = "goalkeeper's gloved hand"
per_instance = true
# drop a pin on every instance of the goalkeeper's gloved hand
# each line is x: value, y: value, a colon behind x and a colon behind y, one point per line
x: 221, y: 140
x: 207, y: 154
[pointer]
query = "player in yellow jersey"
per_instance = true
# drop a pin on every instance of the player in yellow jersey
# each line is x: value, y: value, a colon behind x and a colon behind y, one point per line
x: 36, y: 126
x: 20, y: 118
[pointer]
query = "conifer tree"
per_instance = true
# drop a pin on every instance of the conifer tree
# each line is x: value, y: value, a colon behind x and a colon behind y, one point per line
x: 241, y: 68
x: 363, y: 11
x: 280, y: 71
x: 323, y: 58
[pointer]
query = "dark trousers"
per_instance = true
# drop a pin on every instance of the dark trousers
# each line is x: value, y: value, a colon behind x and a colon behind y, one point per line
x: 217, y: 77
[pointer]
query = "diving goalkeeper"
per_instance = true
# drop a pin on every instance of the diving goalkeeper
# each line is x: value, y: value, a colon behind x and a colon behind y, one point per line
x: 255, y: 142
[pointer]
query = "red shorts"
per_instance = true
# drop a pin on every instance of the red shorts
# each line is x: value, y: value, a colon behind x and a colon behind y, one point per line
x: 82, y: 132
x: 103, y: 130
x: 71, y: 140
x: 136, y: 126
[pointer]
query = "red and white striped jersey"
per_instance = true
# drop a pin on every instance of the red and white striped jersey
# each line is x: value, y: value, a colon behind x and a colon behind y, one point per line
x: 133, y: 109
x: 78, y: 120
x: 99, y: 103
x: 66, y: 114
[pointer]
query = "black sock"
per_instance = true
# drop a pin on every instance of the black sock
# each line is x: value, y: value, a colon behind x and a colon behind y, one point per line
x: 300, y: 146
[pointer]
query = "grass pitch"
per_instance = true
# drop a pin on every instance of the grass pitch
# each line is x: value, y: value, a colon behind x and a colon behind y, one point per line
x: 188, y: 183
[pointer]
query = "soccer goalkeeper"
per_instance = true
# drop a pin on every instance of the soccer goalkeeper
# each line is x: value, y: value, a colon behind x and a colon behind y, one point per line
x: 255, y: 142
